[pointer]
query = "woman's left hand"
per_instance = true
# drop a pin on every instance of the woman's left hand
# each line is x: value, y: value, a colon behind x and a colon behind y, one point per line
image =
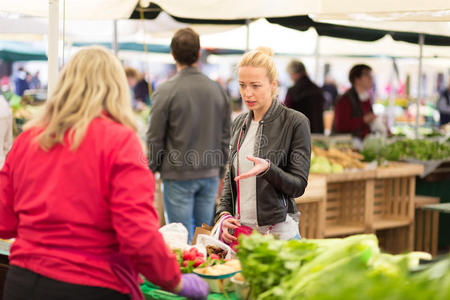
x: 261, y: 165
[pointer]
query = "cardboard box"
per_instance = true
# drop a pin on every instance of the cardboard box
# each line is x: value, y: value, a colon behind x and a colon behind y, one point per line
x: 205, y: 229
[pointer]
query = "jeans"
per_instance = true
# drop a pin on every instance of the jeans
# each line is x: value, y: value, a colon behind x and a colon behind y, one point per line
x: 24, y: 284
x: 190, y: 202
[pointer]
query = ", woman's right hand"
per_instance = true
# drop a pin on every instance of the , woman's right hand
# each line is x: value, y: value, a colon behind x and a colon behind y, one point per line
x: 227, y: 225
x: 193, y: 287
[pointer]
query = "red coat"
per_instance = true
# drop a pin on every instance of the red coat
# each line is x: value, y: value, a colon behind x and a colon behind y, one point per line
x: 347, y: 120
x: 96, y: 200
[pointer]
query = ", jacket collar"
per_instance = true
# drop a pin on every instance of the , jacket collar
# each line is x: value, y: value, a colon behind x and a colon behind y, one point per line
x: 189, y: 70
x: 271, y: 114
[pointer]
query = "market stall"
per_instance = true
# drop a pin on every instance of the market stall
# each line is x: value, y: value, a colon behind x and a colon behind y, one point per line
x: 379, y: 201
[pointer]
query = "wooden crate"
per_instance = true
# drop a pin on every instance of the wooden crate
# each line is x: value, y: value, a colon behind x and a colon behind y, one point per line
x: 392, y: 200
x: 393, y: 204
x: 377, y: 201
x: 309, y: 220
x: 426, y: 225
x: 311, y: 208
x: 395, y: 240
x: 346, y: 206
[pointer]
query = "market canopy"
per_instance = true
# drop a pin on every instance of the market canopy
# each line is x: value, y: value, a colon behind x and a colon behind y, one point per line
x: 402, y: 10
x: 435, y: 33
x: 76, y: 9
x: 357, y: 33
x: 18, y: 51
x: 156, y: 48
x: 381, y: 10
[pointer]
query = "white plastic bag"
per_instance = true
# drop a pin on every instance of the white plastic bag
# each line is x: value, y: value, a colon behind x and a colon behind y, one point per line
x: 175, y: 235
x: 204, y: 240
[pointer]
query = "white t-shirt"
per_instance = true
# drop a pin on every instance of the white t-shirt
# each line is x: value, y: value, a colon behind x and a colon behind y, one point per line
x: 247, y: 192
x: 247, y: 186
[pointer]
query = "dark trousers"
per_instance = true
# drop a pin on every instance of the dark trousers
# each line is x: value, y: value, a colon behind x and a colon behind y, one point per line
x: 23, y: 284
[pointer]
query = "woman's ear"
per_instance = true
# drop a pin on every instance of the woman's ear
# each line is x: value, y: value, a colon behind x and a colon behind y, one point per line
x: 273, y: 86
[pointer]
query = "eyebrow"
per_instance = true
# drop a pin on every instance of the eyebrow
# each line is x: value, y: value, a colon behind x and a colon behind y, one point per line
x: 251, y: 82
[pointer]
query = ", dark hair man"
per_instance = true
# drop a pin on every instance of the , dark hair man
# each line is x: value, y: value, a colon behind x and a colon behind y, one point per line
x: 305, y: 96
x: 353, y: 111
x: 188, y: 136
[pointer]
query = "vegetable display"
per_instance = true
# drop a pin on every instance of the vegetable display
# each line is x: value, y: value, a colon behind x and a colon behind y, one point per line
x: 348, y: 268
x: 190, y: 259
x: 376, y: 148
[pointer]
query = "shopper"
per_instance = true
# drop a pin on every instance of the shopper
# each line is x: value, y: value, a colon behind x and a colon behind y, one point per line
x: 305, y: 96
x: 444, y: 106
x: 142, y: 90
x: 20, y: 82
x: 188, y: 136
x: 6, y: 131
x: 353, y: 112
x: 269, y: 159
x: 77, y: 194
x: 132, y: 79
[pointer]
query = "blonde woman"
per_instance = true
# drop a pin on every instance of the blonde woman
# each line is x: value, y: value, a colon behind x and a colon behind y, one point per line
x: 269, y: 159
x: 76, y: 193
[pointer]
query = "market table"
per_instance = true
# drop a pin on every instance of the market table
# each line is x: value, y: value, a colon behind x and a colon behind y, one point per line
x: 379, y: 201
x: 441, y: 207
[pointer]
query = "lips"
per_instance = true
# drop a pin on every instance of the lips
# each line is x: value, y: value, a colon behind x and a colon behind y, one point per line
x: 250, y: 103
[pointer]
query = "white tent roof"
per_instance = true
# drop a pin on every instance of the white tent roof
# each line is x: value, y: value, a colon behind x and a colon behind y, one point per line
x: 437, y: 28
x: 76, y: 9
x: 384, y: 10
x: 159, y: 30
x: 233, y: 9
x: 399, y: 10
x: 290, y: 41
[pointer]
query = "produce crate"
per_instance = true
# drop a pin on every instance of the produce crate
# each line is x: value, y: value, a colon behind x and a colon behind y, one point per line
x: 395, y: 240
x: 426, y: 225
x: 438, y: 188
x: 345, y: 209
x: 327, y: 141
x: 312, y: 209
x: 393, y: 203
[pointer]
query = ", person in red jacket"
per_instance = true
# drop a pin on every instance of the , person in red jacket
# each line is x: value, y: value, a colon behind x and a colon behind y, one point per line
x: 76, y: 193
x: 353, y: 111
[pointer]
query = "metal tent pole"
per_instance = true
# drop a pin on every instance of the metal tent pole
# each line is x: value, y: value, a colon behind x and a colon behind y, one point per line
x: 419, y: 85
x: 115, y: 39
x: 317, y: 58
x: 53, y: 38
x: 247, y: 41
